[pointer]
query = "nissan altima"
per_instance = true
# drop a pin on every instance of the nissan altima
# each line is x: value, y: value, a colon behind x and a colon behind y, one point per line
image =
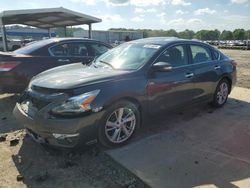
x: 110, y: 99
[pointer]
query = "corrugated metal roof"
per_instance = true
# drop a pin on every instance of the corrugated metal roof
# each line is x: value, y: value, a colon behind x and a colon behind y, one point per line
x: 46, y: 18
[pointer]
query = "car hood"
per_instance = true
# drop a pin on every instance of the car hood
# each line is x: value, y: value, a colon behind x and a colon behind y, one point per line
x: 75, y: 75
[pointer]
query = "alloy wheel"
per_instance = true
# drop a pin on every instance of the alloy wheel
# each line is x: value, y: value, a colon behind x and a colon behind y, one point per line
x: 120, y: 125
x: 222, y: 93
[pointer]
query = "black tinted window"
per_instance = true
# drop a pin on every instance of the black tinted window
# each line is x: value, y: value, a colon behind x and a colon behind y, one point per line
x: 74, y: 49
x: 176, y: 56
x: 200, y: 54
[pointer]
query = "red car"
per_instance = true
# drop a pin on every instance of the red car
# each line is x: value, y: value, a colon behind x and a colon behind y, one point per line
x: 18, y: 67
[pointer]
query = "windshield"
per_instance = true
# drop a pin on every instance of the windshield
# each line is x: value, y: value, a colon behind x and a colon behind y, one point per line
x: 128, y: 56
x: 32, y: 47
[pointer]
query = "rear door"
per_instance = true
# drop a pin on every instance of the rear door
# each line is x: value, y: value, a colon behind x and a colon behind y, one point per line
x: 172, y: 88
x: 207, y: 70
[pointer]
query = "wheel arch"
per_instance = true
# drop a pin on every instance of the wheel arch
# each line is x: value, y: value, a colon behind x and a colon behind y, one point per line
x: 133, y: 100
x: 227, y: 77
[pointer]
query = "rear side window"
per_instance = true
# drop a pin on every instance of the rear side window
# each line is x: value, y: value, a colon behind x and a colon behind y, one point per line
x: 216, y: 55
x: 98, y: 49
x: 176, y: 56
x: 200, y: 54
x: 74, y: 49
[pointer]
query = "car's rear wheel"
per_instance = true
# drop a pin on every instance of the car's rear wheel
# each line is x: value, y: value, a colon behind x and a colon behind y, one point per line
x: 221, y: 93
x: 119, y: 124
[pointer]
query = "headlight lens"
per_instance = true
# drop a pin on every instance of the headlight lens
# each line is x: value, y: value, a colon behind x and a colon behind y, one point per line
x: 77, y: 104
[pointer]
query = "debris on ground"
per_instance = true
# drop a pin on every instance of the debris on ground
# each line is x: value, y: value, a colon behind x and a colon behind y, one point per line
x: 19, y: 159
x: 130, y: 183
x: 66, y: 164
x: 29, y: 164
x: 3, y: 118
x: 196, y: 162
x: 14, y: 141
x: 19, y: 178
x: 3, y: 137
x: 41, y: 177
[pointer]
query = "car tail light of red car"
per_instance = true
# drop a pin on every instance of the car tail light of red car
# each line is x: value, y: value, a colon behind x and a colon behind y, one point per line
x: 8, y: 65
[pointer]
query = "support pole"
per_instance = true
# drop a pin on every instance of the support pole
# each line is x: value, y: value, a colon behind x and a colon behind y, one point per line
x: 49, y: 32
x: 90, y: 31
x: 65, y: 31
x: 4, y: 39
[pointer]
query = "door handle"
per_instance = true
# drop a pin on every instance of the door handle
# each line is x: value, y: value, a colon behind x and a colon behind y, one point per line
x: 63, y: 60
x: 189, y: 75
x: 216, y: 67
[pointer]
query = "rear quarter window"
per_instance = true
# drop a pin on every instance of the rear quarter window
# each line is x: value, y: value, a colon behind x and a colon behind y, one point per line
x: 216, y: 55
x: 200, y: 54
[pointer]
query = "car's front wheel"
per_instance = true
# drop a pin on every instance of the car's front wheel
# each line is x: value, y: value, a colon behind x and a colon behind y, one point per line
x: 119, y: 124
x: 221, y: 93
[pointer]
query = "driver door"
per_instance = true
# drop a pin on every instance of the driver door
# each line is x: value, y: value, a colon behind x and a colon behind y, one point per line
x: 174, y: 87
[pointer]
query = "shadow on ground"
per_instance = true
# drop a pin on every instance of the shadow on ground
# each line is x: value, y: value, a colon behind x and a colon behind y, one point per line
x: 7, y: 122
x: 184, y: 148
x: 194, y: 147
x: 90, y: 167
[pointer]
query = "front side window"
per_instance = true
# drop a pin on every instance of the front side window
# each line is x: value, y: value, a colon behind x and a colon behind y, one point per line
x: 128, y: 56
x: 75, y: 49
x: 176, y: 56
x: 200, y: 54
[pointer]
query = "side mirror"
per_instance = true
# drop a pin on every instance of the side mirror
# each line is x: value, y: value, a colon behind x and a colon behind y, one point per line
x: 162, y: 66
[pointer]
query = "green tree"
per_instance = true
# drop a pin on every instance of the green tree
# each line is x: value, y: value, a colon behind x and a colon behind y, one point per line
x: 171, y: 33
x: 239, y: 34
x: 247, y: 34
x: 187, y: 34
x: 226, y: 35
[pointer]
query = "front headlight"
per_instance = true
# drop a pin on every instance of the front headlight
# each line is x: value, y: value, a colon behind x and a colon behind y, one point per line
x: 77, y: 104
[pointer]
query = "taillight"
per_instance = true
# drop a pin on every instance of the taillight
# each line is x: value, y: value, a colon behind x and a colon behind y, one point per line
x: 8, y: 65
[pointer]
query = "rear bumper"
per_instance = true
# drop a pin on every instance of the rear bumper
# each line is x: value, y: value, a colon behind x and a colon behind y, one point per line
x: 67, y: 133
x: 11, y: 84
x: 234, y: 79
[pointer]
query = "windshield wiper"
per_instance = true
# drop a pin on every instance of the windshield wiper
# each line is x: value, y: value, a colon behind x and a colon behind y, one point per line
x: 106, y: 63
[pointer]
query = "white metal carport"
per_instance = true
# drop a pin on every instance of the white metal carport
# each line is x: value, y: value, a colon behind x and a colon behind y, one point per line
x: 44, y: 18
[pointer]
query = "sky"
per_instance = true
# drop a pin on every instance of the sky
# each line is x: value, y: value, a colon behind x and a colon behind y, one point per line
x: 152, y: 14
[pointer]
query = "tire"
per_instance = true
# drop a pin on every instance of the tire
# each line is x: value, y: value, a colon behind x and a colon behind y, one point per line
x: 221, y: 93
x: 113, y: 130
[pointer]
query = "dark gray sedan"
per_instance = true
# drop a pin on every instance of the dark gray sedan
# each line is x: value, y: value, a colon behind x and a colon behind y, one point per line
x: 109, y: 100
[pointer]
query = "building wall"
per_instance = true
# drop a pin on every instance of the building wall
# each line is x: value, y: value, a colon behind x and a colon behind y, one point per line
x: 109, y: 36
x: 21, y: 33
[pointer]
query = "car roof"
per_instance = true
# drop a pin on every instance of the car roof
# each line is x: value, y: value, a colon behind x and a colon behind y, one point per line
x: 164, y: 40
x: 69, y: 39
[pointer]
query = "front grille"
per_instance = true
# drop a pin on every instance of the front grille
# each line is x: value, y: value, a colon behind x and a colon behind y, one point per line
x: 37, y: 102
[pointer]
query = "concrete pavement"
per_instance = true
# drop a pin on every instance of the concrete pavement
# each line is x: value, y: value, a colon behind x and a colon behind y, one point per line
x: 197, y: 148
